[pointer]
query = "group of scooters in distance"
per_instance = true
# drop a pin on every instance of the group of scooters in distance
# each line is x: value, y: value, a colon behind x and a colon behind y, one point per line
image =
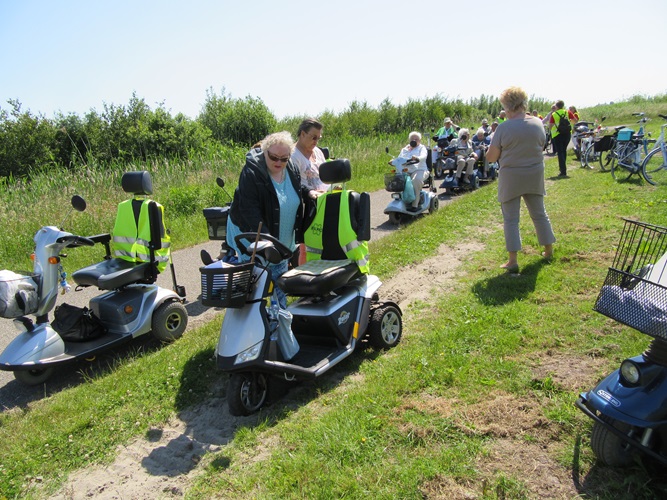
x: 442, y: 161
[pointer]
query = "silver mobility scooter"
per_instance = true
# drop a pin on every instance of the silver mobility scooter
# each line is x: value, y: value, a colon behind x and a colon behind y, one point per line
x: 131, y: 305
x: 337, y: 306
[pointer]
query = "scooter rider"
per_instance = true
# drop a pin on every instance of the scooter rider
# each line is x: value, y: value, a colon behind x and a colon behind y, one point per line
x: 465, y: 156
x: 418, y: 172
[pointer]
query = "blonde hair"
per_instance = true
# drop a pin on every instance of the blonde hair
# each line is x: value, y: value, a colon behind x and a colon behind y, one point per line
x: 514, y: 99
x: 283, y: 138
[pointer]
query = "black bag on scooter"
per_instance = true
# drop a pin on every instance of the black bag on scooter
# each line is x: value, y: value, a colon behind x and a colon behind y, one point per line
x: 76, y: 324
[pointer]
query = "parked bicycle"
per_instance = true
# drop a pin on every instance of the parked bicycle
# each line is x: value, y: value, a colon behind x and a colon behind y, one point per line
x: 606, y: 147
x: 631, y: 149
x: 654, y: 166
x: 587, y: 133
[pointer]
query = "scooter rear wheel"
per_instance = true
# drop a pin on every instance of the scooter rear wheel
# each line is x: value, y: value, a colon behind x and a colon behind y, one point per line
x: 169, y: 321
x: 246, y: 393
x: 386, y: 327
x: 35, y: 376
x: 608, y: 447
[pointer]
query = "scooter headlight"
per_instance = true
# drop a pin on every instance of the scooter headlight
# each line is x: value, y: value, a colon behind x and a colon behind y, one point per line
x: 250, y: 354
x: 630, y: 372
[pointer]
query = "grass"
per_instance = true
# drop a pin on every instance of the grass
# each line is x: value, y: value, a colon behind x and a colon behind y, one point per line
x: 372, y: 436
x: 395, y: 430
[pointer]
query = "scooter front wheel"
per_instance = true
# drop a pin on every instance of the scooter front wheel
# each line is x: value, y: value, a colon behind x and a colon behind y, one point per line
x: 395, y: 217
x: 35, y: 376
x: 608, y: 447
x: 246, y: 393
x: 386, y: 327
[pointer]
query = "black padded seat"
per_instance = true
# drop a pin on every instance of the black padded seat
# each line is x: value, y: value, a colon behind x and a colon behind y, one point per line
x: 318, y: 277
x: 112, y: 274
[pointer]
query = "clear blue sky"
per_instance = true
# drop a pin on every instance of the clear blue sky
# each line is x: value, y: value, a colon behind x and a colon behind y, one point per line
x: 305, y: 57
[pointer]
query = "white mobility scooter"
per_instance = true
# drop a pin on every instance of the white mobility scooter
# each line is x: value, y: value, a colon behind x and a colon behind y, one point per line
x: 131, y: 305
x: 337, y: 306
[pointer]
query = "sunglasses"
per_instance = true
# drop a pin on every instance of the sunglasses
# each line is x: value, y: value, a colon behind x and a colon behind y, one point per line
x: 277, y: 159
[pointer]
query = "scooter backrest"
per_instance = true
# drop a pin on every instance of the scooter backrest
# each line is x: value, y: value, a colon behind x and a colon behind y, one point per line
x: 137, y: 182
x: 336, y: 171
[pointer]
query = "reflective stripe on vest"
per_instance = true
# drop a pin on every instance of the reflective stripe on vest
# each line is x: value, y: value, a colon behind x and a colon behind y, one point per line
x: 132, y: 240
x: 354, y: 250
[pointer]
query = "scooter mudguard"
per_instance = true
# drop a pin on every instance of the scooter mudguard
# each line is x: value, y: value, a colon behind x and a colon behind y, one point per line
x: 641, y: 406
x: 129, y: 311
x: 399, y: 206
x: 241, y: 329
x: 40, y: 346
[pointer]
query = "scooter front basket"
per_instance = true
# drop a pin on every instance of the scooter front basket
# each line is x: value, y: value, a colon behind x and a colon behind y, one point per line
x: 225, y: 285
x: 394, y: 183
x: 635, y: 289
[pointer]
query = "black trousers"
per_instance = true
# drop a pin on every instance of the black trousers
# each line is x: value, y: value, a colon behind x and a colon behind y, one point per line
x: 560, y: 146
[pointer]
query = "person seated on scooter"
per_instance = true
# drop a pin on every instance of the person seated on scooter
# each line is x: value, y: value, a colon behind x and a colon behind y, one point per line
x: 485, y: 127
x: 480, y: 143
x: 270, y: 192
x: 444, y: 134
x: 465, y: 156
x: 418, y: 172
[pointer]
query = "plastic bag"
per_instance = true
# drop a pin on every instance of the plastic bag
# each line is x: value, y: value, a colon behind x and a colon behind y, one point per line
x: 409, y: 190
x: 287, y: 343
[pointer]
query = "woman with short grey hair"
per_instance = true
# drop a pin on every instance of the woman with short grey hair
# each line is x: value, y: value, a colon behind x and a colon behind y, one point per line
x: 517, y: 145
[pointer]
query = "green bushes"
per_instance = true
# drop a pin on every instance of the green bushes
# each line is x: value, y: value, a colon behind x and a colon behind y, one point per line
x: 241, y: 121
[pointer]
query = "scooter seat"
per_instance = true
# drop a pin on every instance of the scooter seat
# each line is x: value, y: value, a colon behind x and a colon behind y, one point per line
x: 112, y: 274
x: 318, y: 277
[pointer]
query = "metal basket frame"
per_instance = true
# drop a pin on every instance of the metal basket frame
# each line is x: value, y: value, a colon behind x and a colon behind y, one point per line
x: 226, y: 285
x: 627, y: 295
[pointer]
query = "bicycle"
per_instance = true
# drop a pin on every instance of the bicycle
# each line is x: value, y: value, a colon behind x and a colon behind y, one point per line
x: 605, y: 147
x: 627, y: 159
x: 630, y: 151
x: 654, y: 166
x: 587, y: 137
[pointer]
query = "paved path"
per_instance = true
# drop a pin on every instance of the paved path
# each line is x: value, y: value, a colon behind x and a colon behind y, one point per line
x: 186, y: 263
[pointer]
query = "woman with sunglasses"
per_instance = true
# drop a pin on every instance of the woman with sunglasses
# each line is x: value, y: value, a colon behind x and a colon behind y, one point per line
x: 270, y: 192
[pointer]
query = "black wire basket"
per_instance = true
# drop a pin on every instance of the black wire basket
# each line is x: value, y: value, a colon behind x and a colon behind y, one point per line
x: 394, y: 183
x: 635, y: 290
x: 225, y: 285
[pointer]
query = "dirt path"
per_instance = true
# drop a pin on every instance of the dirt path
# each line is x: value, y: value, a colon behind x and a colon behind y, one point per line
x: 165, y: 462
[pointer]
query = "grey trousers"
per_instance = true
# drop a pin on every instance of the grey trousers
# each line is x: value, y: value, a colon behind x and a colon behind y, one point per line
x: 511, y: 215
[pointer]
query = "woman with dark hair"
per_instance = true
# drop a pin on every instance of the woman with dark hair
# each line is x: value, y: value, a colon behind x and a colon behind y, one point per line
x: 308, y: 157
x: 517, y: 145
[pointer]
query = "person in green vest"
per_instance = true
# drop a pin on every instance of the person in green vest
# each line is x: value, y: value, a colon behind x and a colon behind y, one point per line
x: 501, y: 117
x: 560, y: 140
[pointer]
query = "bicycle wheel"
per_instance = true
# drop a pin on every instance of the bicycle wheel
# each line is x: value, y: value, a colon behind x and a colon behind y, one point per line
x: 654, y: 168
x: 620, y: 167
x: 606, y: 158
x: 591, y: 157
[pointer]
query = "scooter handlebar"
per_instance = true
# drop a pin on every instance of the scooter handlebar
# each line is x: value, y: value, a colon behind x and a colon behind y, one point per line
x: 72, y: 241
x: 285, y: 253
